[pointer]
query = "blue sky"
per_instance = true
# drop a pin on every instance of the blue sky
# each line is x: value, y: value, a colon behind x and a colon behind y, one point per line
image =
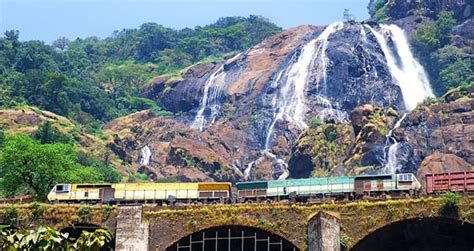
x: 49, y: 19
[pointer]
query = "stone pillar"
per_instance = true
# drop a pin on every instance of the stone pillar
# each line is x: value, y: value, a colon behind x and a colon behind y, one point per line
x: 323, y: 233
x: 132, y: 233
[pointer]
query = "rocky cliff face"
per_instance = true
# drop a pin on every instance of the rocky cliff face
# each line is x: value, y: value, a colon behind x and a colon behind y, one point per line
x: 270, y: 92
x: 432, y: 138
x: 242, y: 118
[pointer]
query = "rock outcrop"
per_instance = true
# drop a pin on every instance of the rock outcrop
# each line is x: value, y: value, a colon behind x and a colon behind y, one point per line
x: 436, y: 137
x: 355, y: 72
x: 178, y: 151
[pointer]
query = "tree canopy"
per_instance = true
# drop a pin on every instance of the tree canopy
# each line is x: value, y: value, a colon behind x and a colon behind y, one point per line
x: 90, y: 77
x: 27, y: 166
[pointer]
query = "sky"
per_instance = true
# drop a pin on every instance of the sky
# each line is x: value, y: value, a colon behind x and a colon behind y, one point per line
x: 48, y: 20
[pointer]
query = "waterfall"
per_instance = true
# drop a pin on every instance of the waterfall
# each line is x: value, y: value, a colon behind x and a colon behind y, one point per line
x: 409, y: 74
x: 290, y: 103
x: 210, y: 103
x: 410, y: 77
x: 248, y: 169
x: 276, y: 114
x: 145, y: 154
x: 279, y: 166
x: 391, y: 161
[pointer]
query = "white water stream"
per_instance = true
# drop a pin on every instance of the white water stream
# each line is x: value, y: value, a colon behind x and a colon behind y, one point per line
x: 210, y: 103
x: 390, y: 158
x: 409, y: 74
x: 145, y: 154
x: 289, y: 103
x: 410, y: 77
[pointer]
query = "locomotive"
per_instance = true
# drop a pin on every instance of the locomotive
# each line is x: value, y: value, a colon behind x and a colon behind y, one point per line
x: 340, y: 188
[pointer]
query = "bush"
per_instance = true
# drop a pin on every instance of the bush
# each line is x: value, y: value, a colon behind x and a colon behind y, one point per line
x: 377, y: 9
x: 431, y: 101
x: 450, y: 204
x: 36, y: 210
x: 427, y: 36
x: 84, y: 213
x: 315, y: 122
x: 48, y: 133
x: 11, y: 215
x: 345, y: 241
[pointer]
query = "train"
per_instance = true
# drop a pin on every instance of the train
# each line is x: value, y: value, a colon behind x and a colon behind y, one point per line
x: 301, y: 190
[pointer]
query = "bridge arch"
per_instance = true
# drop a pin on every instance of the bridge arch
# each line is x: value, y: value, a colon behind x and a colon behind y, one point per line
x: 432, y: 233
x: 233, y: 238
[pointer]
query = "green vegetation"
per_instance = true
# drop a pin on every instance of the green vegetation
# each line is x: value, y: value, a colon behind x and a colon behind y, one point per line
x: 327, y: 145
x: 450, y: 204
x: 450, y: 63
x: 228, y: 110
x: 47, y: 133
x: 91, y: 80
x: 46, y: 239
x: 377, y: 9
x: 136, y: 177
x: 345, y: 241
x: 29, y: 167
x: 431, y: 101
x: 315, y: 122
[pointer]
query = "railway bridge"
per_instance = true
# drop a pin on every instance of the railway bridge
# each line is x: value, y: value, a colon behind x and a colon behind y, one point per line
x: 363, y: 225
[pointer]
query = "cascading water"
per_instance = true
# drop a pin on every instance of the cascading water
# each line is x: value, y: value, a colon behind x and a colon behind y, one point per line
x: 409, y: 74
x: 210, y: 103
x: 289, y: 103
x: 248, y: 169
x: 390, y: 158
x: 145, y: 154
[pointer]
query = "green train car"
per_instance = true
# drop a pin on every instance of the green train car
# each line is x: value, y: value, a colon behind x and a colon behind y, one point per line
x: 338, y: 187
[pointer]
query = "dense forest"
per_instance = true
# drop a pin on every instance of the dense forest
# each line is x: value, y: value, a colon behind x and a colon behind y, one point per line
x: 92, y: 81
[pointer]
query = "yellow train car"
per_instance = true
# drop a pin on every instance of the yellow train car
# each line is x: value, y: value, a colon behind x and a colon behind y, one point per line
x: 140, y: 192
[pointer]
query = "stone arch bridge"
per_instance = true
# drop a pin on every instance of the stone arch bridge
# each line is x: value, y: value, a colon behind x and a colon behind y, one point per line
x: 387, y: 225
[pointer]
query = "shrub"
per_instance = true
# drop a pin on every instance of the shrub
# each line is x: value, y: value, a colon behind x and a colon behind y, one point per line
x: 84, y: 213
x: 11, y: 215
x: 37, y: 210
x: 431, y: 101
x: 106, y: 209
x: 315, y: 122
x: 345, y: 241
x: 450, y: 204
x: 228, y: 110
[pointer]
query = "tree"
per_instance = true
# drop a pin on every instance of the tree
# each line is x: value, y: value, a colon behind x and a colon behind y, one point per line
x: 61, y: 44
x: 36, y: 168
x: 47, y: 133
x: 347, y: 16
x: 444, y: 24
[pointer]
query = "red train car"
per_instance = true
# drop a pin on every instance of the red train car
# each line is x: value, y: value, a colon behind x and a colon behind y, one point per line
x: 450, y: 182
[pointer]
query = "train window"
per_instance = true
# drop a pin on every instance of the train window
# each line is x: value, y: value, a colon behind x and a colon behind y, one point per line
x: 405, y: 177
x: 63, y: 188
